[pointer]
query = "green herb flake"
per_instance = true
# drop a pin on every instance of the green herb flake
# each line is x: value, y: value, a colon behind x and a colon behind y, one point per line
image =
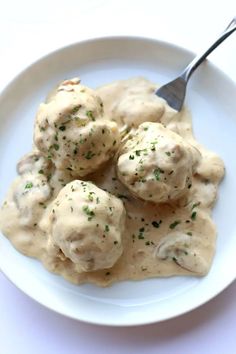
x: 75, y: 109
x: 194, y: 215
x: 89, y: 155
x: 29, y: 185
x: 189, y: 234
x: 90, y: 115
x: 157, y: 173
x: 141, y: 231
x: 174, y: 224
x: 41, y: 172
x: 195, y: 205
x: 62, y: 128
x: 131, y: 157
x: 107, y: 229
x: 88, y: 212
x: 155, y: 224
x: 56, y: 147
x: 167, y: 153
x: 90, y: 196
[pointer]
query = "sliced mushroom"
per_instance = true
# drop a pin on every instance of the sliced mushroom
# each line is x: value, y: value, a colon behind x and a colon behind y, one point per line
x: 184, y: 250
x: 34, y: 162
x: 30, y: 194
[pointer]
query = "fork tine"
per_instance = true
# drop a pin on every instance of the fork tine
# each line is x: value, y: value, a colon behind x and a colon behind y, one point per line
x: 173, y: 93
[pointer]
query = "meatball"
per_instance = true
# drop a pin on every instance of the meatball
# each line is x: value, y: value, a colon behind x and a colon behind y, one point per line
x: 156, y: 164
x: 86, y: 224
x: 70, y: 129
x: 133, y: 102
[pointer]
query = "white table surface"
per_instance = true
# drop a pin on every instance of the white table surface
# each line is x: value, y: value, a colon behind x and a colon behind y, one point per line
x: 30, y: 29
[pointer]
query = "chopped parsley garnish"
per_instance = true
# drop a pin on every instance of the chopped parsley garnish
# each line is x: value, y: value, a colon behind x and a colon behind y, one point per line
x: 138, y: 152
x: 153, y: 147
x: 107, y: 229
x: 155, y: 224
x: 90, y: 115
x: 194, y: 215
x: 62, y: 128
x: 189, y: 234
x: 56, y: 147
x: 90, y: 196
x: 41, y: 172
x: 157, y: 173
x: 75, y: 109
x: 90, y: 213
x: 167, y: 153
x: 141, y: 231
x: 174, y: 224
x: 131, y: 157
x: 89, y: 155
x: 195, y: 205
x: 29, y: 185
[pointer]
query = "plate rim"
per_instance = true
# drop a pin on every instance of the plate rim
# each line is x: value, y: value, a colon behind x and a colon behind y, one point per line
x: 4, y: 90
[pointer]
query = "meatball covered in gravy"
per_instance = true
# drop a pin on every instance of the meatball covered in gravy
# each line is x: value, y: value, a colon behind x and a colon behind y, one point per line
x: 157, y: 164
x: 71, y: 130
x: 86, y: 224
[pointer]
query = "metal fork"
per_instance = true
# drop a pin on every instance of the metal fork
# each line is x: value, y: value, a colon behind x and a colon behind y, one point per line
x: 174, y: 91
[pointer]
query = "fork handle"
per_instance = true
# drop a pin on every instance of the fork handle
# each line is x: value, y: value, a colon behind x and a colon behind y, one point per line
x: 200, y: 58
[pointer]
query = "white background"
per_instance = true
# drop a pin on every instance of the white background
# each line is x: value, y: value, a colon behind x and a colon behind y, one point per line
x: 29, y: 29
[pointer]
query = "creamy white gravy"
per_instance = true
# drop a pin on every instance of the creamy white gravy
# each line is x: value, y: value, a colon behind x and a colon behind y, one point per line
x: 129, y: 103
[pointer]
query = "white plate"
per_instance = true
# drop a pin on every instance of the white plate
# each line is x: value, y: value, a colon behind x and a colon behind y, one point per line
x: 211, y: 98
